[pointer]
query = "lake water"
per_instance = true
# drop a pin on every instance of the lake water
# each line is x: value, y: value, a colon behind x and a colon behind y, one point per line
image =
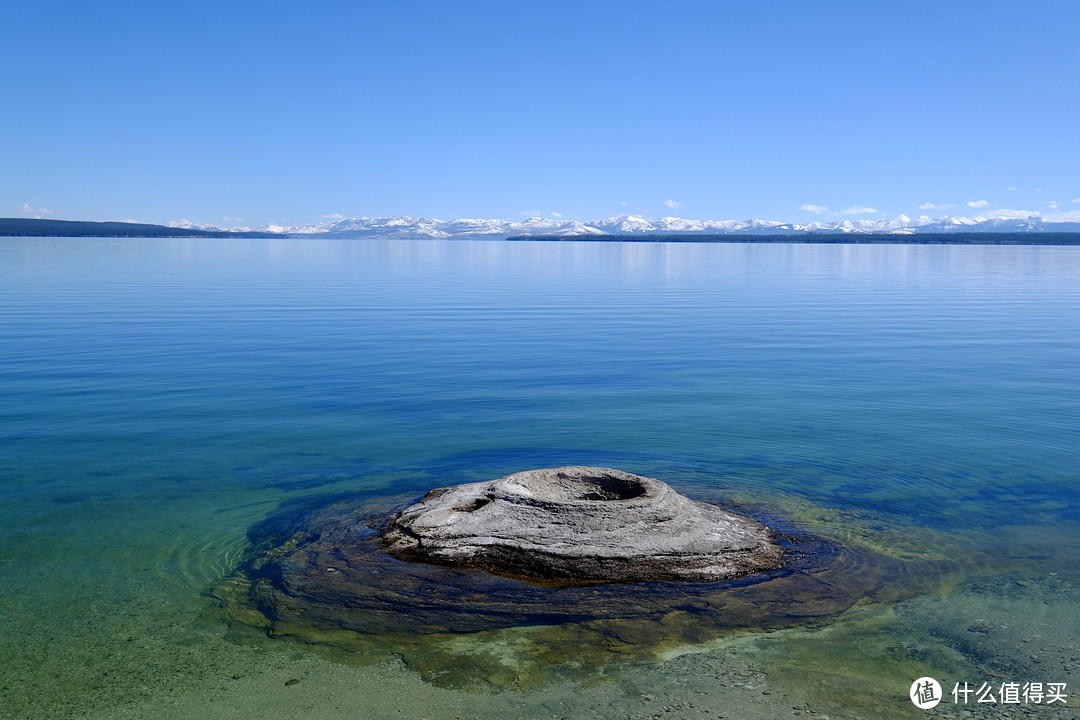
x: 160, y: 397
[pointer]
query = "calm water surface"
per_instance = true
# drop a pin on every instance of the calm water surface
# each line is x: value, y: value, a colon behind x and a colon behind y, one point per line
x: 159, y: 397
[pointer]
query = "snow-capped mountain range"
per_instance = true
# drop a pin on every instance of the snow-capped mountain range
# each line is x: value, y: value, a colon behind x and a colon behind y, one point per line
x: 409, y: 227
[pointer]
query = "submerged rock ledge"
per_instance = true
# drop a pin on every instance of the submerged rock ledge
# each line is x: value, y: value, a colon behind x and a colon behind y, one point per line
x: 329, y: 573
x: 546, y: 547
x: 585, y: 524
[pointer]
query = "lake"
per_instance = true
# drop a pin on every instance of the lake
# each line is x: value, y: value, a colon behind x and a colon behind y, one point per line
x: 163, y: 396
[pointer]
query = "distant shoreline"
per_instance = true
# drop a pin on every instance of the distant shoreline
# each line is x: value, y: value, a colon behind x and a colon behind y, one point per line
x: 988, y: 238
x: 19, y: 227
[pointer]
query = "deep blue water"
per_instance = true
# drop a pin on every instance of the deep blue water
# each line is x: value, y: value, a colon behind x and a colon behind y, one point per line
x: 158, y: 396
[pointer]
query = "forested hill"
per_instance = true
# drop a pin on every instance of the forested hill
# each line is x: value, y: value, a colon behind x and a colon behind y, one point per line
x: 22, y: 227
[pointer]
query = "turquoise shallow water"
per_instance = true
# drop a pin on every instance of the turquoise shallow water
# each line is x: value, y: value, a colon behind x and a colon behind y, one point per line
x: 162, y: 396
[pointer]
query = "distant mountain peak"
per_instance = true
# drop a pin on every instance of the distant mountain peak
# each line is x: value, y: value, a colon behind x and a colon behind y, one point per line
x: 629, y: 224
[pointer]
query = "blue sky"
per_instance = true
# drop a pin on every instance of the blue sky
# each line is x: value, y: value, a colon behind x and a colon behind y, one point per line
x: 248, y: 112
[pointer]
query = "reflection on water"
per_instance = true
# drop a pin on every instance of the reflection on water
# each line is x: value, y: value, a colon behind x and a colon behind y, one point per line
x: 164, y: 396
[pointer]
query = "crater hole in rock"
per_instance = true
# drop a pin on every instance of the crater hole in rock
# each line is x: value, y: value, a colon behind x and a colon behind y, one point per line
x: 607, y: 487
x: 473, y: 506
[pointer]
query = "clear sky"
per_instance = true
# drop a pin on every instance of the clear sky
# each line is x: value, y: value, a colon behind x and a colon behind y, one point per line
x: 234, y: 112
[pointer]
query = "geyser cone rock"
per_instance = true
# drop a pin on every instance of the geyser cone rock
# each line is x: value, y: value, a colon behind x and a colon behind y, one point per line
x: 546, y: 547
x: 580, y: 524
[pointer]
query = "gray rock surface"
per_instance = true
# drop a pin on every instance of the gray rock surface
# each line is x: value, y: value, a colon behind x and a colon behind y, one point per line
x: 580, y: 524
